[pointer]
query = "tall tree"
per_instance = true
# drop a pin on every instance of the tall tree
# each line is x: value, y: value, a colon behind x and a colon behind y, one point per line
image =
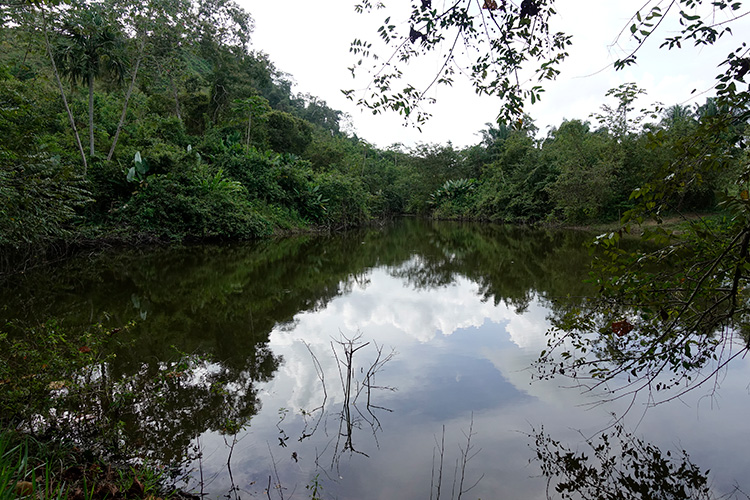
x: 91, y: 45
x: 619, y: 120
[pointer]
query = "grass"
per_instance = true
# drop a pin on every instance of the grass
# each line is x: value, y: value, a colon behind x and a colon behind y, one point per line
x: 43, y: 470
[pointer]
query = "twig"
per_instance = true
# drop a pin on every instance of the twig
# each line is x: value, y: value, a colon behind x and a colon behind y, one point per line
x: 440, y: 466
x: 276, y: 473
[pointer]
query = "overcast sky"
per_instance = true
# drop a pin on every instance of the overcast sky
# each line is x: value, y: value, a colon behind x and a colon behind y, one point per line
x: 310, y: 41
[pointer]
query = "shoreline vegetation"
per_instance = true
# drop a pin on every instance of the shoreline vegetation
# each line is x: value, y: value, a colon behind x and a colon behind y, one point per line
x: 19, y: 260
x: 52, y: 470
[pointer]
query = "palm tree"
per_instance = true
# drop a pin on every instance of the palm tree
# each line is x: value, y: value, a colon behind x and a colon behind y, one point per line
x: 492, y: 134
x: 677, y: 114
x: 90, y: 46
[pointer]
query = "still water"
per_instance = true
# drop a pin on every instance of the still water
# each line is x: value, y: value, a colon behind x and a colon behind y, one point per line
x: 351, y: 366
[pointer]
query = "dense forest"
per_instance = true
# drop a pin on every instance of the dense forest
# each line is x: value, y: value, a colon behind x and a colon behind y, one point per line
x: 140, y: 121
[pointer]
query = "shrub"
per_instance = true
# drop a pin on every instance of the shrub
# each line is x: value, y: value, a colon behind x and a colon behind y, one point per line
x: 255, y: 170
x: 204, y: 206
x: 287, y: 133
x: 341, y: 201
x: 39, y: 198
x: 453, y: 199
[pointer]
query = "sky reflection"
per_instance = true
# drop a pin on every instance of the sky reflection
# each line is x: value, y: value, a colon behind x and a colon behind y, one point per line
x: 460, y: 362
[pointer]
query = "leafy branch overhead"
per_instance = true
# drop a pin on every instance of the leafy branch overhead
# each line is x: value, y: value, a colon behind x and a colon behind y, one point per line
x: 509, y: 49
x: 492, y: 45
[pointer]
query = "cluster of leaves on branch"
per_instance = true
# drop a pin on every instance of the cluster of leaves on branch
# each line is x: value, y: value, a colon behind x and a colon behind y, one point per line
x: 509, y: 50
x: 619, y: 465
x: 492, y: 45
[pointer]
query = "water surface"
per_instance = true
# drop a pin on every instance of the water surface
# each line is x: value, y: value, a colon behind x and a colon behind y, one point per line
x: 238, y: 359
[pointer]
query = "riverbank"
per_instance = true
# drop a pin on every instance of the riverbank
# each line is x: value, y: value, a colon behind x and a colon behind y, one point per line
x: 44, y: 468
x: 94, y: 239
x: 98, y: 238
x: 675, y: 223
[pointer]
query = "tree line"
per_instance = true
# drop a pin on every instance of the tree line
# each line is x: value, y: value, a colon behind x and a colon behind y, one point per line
x: 127, y: 119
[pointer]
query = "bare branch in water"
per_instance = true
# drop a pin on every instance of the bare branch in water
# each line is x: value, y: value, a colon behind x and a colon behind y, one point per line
x: 467, y: 453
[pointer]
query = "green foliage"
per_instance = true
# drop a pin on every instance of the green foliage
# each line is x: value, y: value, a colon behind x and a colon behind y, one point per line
x: 619, y: 121
x: 315, y: 488
x: 207, y: 206
x: 452, y: 198
x: 513, y: 188
x: 586, y: 172
x: 252, y: 109
x: 255, y: 170
x: 498, y: 42
x: 317, y: 112
x: 338, y: 201
x: 328, y: 151
x: 90, y: 45
x: 23, y: 105
x: 153, y: 130
x: 287, y: 133
x: 137, y: 173
x: 198, y: 84
x: 452, y: 189
x: 48, y: 470
x: 292, y: 184
x: 39, y: 199
x: 429, y: 166
x: 619, y: 465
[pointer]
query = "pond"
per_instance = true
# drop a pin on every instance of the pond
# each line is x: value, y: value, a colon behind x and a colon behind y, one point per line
x: 391, y: 362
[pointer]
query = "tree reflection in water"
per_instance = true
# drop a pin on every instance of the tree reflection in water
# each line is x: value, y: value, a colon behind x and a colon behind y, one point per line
x: 199, y: 350
x: 156, y: 412
x: 619, y: 466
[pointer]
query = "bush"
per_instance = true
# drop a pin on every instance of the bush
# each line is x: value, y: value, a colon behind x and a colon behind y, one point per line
x: 39, y: 199
x: 287, y: 133
x: 341, y: 201
x: 454, y: 198
x: 255, y: 170
x: 109, y: 187
x: 204, y: 206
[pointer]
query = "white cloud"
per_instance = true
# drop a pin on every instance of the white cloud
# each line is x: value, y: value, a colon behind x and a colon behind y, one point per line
x: 388, y: 311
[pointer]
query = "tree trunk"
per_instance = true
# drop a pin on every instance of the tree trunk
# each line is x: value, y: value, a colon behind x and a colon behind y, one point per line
x: 173, y: 87
x: 249, y: 122
x: 176, y: 98
x: 91, y: 113
x: 65, y: 101
x: 127, y: 99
